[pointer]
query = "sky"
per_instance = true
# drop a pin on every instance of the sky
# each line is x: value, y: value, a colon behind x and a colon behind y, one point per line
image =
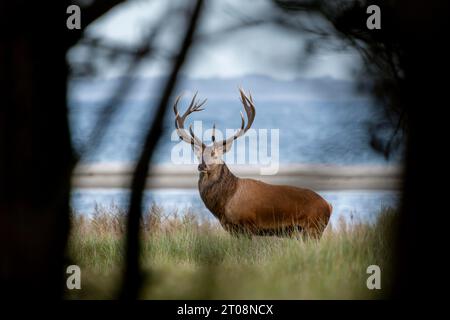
x: 262, y: 50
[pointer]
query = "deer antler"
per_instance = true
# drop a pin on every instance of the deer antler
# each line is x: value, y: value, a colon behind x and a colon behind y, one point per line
x: 251, y: 113
x: 179, y: 121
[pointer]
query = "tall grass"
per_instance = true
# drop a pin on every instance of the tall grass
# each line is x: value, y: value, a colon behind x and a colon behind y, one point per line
x: 184, y: 257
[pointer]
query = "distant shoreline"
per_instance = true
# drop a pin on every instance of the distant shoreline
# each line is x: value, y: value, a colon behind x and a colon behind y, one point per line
x: 315, y: 176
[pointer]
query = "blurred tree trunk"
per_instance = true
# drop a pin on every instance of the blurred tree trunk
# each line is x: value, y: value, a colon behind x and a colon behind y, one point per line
x: 36, y: 154
x: 36, y: 159
x: 133, y: 277
x: 424, y: 217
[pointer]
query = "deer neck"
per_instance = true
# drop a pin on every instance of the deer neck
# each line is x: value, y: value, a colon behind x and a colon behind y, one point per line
x: 217, y: 189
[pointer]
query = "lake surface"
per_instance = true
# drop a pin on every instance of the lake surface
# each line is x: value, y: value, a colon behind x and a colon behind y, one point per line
x: 323, y: 122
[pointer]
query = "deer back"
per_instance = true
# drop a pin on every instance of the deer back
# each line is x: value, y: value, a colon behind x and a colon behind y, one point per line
x: 255, y: 203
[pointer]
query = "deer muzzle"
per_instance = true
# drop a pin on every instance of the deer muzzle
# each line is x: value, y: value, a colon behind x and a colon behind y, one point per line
x: 202, y: 167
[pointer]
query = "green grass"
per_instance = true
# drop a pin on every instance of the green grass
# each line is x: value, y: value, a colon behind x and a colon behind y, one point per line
x: 185, y: 258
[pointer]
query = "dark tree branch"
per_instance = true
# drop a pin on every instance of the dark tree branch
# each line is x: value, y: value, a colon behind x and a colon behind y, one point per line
x: 132, y: 273
x: 97, y: 43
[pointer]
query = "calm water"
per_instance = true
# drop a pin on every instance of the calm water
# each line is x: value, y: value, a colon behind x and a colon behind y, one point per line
x: 312, y: 132
x: 313, y: 127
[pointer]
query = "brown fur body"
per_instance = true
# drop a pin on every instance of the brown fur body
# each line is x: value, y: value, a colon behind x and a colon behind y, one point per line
x: 247, y: 205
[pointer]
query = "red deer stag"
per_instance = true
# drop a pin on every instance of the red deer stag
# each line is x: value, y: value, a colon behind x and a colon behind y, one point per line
x: 247, y: 205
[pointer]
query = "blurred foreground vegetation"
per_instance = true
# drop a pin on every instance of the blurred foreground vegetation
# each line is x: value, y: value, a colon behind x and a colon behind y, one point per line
x: 186, y: 258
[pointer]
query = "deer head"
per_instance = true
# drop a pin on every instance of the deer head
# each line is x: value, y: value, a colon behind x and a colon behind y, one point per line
x: 210, y: 156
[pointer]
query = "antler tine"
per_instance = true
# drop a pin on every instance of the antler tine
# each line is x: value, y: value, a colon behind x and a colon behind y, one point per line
x: 197, y: 140
x: 179, y: 121
x: 241, y: 129
x: 193, y: 106
x: 249, y: 107
x: 198, y: 107
x: 177, y: 117
x: 213, y: 135
x: 236, y: 135
x: 251, y: 113
x: 175, y: 105
x: 189, y: 109
x: 239, y: 132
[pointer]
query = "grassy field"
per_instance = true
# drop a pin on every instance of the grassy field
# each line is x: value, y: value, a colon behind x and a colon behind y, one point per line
x: 191, y: 259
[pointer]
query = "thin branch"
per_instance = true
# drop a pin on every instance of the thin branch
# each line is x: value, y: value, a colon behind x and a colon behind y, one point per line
x: 116, y: 48
x: 132, y: 273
